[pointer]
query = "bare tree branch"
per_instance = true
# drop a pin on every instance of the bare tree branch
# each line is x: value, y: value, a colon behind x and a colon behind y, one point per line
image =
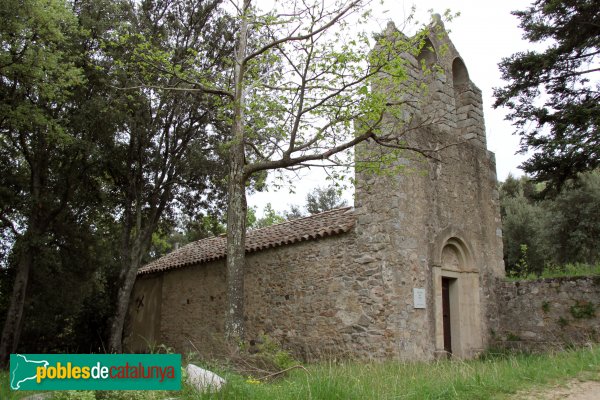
x: 287, y: 161
x: 302, y: 92
x: 256, y: 150
x: 292, y: 38
x: 201, y: 89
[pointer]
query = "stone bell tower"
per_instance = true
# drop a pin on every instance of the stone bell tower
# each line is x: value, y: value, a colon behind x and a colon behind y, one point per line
x: 435, y: 223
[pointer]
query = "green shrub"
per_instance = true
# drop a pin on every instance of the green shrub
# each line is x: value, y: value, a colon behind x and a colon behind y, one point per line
x: 272, y: 351
x: 545, y: 306
x: 583, y: 310
x: 562, y: 271
x: 562, y: 322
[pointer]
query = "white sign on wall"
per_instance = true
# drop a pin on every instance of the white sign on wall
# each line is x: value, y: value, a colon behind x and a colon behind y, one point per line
x: 419, y: 298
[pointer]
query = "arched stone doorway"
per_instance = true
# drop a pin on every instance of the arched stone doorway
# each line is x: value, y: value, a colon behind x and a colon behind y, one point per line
x: 456, y: 298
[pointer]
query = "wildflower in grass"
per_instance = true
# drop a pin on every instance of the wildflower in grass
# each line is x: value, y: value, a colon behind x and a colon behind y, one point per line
x: 253, y: 381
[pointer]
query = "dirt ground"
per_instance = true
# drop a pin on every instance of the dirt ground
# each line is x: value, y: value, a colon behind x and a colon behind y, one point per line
x: 574, y: 390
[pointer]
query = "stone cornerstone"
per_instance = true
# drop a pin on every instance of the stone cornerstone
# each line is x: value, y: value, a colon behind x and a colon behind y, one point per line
x: 408, y: 273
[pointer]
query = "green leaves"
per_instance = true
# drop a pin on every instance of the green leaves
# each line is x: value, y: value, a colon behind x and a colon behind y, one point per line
x: 37, y: 68
x: 308, y: 89
x: 556, y: 231
x: 552, y: 95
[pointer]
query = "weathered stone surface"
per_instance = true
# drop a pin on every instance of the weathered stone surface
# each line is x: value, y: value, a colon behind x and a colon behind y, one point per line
x: 548, y: 313
x: 365, y: 259
x: 203, y: 380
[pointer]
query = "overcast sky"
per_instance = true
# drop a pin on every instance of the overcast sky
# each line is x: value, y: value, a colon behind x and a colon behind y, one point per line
x: 483, y: 34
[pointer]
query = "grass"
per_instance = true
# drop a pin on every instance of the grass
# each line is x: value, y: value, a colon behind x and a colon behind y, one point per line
x: 490, y: 377
x: 494, y: 376
x: 6, y: 393
x: 568, y: 270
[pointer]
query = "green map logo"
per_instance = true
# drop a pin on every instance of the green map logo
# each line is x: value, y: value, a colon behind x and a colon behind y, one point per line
x: 95, y: 371
x: 24, y: 370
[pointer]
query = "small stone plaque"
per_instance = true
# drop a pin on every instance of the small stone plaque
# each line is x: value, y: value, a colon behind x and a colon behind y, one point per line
x: 419, y: 297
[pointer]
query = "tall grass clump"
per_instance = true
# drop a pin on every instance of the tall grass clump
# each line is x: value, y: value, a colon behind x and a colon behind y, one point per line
x: 492, y: 376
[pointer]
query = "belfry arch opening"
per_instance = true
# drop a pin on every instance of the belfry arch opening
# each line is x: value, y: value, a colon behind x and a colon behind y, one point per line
x: 465, y: 99
x: 427, y: 57
x: 460, y: 75
x: 460, y: 82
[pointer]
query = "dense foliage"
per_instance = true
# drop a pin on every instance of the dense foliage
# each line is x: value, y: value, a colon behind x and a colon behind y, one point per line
x: 554, y: 95
x: 47, y: 162
x: 97, y: 153
x: 550, y: 233
x: 114, y: 130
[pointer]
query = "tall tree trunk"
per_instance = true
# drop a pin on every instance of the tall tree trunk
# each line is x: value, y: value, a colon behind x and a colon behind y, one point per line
x: 31, y: 240
x: 127, y: 277
x: 236, y: 258
x: 236, y: 202
x: 14, y: 316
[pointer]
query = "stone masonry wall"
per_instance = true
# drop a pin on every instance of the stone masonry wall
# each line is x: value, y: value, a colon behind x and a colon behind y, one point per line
x: 548, y: 313
x: 329, y: 298
x: 317, y: 298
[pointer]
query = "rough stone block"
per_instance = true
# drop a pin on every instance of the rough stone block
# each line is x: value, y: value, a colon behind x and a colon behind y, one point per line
x: 203, y: 380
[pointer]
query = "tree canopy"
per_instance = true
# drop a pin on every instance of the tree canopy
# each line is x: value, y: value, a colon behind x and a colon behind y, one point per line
x: 324, y: 199
x: 166, y: 155
x: 43, y: 160
x: 551, y: 232
x: 91, y: 171
x: 554, y: 95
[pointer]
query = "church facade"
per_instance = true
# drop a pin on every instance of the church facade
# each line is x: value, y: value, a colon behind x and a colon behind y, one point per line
x: 407, y: 273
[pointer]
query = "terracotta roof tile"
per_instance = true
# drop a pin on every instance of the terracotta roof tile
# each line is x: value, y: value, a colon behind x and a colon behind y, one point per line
x: 316, y: 226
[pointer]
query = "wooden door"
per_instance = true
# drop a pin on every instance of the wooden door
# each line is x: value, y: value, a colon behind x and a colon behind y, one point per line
x: 446, y: 314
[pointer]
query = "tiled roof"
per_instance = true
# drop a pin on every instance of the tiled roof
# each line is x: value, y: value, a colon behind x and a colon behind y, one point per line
x: 316, y: 226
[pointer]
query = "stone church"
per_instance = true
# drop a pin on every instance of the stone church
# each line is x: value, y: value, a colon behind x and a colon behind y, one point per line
x: 407, y: 273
